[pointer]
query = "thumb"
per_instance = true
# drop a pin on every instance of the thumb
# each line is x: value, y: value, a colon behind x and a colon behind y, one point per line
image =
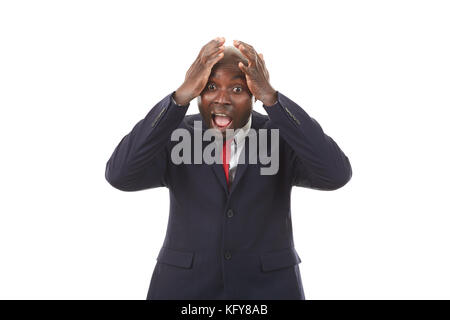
x: 242, y: 67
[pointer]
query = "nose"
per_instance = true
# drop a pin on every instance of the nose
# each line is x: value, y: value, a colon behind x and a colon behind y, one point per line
x: 222, y: 97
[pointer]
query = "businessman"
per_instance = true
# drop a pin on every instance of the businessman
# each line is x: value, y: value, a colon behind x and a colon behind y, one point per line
x: 229, y: 234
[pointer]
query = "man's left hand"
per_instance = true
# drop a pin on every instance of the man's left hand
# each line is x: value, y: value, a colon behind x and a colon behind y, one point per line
x: 256, y: 74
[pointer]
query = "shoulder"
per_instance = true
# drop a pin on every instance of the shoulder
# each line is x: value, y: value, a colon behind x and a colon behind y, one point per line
x: 259, y: 120
x: 189, y: 121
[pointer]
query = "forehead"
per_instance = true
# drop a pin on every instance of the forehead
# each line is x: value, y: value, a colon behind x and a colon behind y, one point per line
x: 227, y: 72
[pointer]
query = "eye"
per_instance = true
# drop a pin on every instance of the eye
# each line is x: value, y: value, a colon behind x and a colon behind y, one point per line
x: 239, y: 91
x: 210, y: 86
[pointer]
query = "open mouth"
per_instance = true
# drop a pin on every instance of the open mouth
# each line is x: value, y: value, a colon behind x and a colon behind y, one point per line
x: 221, y: 121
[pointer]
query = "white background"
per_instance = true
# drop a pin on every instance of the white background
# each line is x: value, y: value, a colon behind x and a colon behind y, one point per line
x: 75, y: 76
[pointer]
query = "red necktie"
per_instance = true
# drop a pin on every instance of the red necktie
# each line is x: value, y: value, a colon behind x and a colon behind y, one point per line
x: 226, y: 151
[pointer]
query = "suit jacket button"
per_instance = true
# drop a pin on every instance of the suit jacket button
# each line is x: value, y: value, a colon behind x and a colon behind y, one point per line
x: 228, y: 255
x: 230, y: 213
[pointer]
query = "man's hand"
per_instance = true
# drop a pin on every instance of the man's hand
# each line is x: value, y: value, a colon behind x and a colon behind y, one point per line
x: 256, y: 74
x: 198, y: 74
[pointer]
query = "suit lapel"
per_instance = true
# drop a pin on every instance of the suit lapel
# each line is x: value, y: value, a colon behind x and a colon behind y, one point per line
x: 242, y: 165
x: 220, y: 174
x: 244, y: 157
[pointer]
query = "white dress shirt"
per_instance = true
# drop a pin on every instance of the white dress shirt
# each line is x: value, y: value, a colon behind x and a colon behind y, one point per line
x: 236, y: 147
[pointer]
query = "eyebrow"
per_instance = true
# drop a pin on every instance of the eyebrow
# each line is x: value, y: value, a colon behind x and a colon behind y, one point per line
x: 242, y: 77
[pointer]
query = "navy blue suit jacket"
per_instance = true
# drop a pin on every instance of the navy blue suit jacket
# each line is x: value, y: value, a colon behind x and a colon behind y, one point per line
x: 220, y: 243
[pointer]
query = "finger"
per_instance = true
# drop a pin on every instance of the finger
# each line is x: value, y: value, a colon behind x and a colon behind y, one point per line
x: 242, y: 47
x: 239, y: 42
x: 217, y: 41
x: 217, y: 49
x: 261, y: 59
x: 212, y: 53
x: 243, y: 67
x: 247, y: 50
x: 266, y: 73
x: 212, y: 46
x: 213, y: 60
x: 247, y: 45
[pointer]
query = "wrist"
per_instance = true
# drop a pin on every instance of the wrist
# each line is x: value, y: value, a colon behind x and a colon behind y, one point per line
x: 270, y: 98
x: 181, y: 97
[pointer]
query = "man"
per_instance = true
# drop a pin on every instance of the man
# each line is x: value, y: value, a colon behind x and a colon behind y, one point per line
x: 229, y: 234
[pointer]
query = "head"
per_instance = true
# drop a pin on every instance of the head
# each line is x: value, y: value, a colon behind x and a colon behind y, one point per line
x: 226, y: 101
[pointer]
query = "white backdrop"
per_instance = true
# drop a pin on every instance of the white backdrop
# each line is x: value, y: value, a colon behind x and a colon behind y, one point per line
x: 76, y: 76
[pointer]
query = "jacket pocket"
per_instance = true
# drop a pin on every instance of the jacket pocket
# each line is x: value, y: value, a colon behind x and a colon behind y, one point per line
x: 176, y: 258
x: 279, y: 259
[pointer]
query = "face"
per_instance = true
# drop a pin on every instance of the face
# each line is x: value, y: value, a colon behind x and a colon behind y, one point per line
x: 226, y: 101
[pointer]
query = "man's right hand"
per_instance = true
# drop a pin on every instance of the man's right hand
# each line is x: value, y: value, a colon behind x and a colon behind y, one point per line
x: 198, y: 74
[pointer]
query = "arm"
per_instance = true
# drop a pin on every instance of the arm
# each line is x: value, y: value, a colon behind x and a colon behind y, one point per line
x: 318, y: 161
x: 140, y: 160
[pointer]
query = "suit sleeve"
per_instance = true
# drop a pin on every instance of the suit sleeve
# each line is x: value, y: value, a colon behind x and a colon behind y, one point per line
x: 318, y: 162
x: 140, y: 159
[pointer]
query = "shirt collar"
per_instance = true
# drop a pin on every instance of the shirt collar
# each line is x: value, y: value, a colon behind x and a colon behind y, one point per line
x: 241, y: 133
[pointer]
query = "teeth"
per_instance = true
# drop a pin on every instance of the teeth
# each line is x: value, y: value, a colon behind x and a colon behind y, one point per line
x: 220, y: 114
